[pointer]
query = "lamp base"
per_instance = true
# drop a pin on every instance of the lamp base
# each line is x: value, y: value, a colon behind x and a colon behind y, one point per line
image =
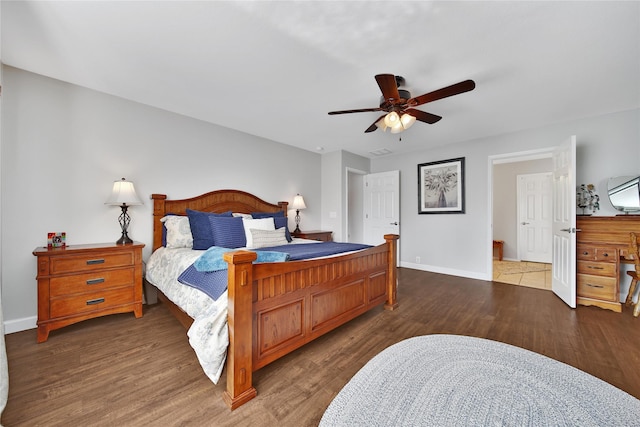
x: 124, y: 240
x: 297, y: 230
x: 124, y: 221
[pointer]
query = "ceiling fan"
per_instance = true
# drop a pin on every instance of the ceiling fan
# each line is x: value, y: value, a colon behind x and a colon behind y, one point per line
x: 399, y: 105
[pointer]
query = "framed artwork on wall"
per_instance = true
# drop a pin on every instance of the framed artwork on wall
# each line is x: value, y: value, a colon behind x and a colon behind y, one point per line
x: 441, y: 187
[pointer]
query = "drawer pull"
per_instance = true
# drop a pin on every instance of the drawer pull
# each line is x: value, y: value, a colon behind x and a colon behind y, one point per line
x: 596, y: 268
x: 585, y: 253
x: 594, y: 286
x: 606, y: 254
x: 95, y: 261
x: 95, y: 281
x: 95, y: 301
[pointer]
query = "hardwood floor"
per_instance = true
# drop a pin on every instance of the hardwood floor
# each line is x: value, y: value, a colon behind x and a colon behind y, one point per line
x: 122, y: 371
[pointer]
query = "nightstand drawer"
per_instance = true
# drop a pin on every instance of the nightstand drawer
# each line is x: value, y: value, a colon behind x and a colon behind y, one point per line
x: 597, y: 287
x: 91, y: 282
x: 91, y: 301
x: 88, y: 262
x: 597, y: 268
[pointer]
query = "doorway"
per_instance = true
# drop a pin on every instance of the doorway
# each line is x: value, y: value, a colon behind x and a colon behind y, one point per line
x: 507, y: 225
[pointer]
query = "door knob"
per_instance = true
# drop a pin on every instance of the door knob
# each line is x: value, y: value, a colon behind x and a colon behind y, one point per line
x: 524, y: 223
x: 394, y: 223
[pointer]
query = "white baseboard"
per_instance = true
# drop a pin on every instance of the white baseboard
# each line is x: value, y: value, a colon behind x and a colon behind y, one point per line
x: 449, y: 271
x: 19, y: 325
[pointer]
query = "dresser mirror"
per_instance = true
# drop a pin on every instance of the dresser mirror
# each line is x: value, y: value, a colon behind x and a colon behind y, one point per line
x: 624, y: 193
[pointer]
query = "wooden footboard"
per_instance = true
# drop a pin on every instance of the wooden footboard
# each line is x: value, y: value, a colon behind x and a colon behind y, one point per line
x: 274, y: 308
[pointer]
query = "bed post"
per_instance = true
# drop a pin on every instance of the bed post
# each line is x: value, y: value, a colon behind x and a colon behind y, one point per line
x: 392, y: 278
x: 158, y: 213
x: 240, y: 322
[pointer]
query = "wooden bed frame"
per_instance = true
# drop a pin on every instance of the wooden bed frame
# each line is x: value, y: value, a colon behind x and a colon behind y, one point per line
x: 275, y: 308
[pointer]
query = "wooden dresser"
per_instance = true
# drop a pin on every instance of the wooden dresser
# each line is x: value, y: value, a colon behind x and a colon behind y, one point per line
x: 601, y: 244
x: 80, y: 282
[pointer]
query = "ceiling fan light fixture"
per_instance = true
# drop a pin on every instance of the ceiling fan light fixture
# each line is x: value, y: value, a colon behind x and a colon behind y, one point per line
x: 391, y: 119
x: 397, y: 128
x: 380, y: 124
x: 407, y: 120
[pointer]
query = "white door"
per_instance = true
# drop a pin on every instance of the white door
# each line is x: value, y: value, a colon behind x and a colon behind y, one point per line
x: 381, y: 206
x: 564, y: 222
x: 534, y: 217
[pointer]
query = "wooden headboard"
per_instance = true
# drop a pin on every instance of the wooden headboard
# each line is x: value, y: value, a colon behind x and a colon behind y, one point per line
x: 215, y: 201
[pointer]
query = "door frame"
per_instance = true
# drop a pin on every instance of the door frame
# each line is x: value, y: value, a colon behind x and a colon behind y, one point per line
x: 497, y: 159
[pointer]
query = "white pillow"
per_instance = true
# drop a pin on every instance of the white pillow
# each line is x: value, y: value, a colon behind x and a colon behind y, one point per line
x: 256, y: 224
x: 178, y: 231
x: 266, y: 238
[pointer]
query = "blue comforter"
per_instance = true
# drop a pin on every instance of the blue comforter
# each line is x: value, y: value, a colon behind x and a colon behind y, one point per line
x: 212, y: 277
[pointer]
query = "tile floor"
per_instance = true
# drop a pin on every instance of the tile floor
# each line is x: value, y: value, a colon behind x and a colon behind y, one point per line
x: 523, y: 273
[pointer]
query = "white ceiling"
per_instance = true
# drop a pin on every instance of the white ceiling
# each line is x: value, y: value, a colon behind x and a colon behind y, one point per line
x: 274, y: 69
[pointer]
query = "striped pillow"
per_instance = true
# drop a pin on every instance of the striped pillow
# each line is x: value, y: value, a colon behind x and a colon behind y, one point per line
x: 266, y: 238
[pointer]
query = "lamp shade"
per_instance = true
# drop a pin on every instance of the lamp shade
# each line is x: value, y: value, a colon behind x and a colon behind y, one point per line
x: 123, y: 193
x: 298, y: 203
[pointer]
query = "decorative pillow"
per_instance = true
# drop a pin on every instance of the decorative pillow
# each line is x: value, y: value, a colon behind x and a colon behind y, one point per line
x: 283, y: 222
x: 279, y: 219
x: 267, y: 238
x: 228, y: 232
x: 201, y: 228
x: 257, y: 224
x: 267, y: 214
x: 178, y: 231
x: 164, y: 231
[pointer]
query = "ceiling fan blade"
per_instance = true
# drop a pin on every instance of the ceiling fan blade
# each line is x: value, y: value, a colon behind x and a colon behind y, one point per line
x: 362, y: 110
x: 373, y: 126
x: 423, y: 116
x: 445, y: 92
x: 388, y: 86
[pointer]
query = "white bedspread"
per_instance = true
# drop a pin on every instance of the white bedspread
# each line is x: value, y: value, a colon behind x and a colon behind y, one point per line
x: 208, y: 335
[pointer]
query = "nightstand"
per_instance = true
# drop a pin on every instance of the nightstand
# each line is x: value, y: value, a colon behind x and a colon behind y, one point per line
x: 323, y: 236
x: 80, y: 282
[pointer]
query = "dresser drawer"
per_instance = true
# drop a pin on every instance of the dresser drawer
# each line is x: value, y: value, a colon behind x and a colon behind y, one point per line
x: 597, y: 287
x: 91, y: 282
x: 89, y: 262
x: 597, y: 268
x: 83, y: 303
x: 596, y: 253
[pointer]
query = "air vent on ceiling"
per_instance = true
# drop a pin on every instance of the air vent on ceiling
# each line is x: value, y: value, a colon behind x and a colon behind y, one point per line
x: 380, y: 152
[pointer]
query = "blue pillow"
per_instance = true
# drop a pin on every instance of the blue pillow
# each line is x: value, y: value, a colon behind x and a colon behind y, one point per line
x: 283, y: 221
x: 228, y: 232
x: 258, y: 215
x: 201, y: 228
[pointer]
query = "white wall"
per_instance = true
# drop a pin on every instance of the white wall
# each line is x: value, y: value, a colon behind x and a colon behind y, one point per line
x: 608, y: 145
x: 63, y: 146
x: 335, y: 167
